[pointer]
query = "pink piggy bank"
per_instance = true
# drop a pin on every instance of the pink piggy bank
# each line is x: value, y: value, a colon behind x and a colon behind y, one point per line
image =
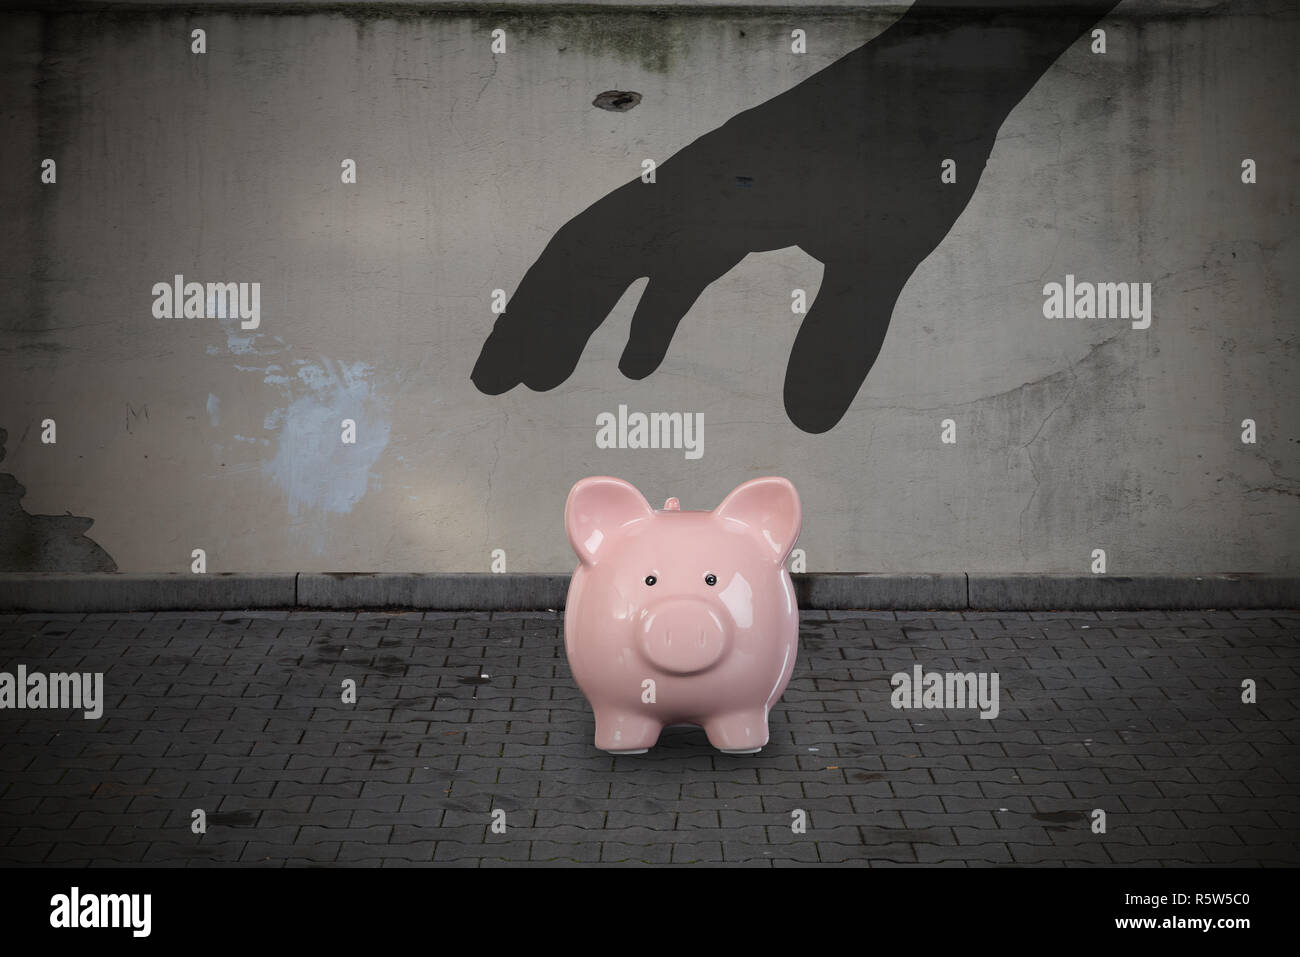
x: 681, y: 617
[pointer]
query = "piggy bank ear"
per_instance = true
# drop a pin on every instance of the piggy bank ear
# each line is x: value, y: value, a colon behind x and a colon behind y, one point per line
x: 598, y: 507
x: 770, y: 506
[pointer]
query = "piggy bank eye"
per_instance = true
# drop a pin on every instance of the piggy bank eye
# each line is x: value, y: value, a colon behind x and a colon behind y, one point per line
x: 710, y: 579
x: 650, y: 579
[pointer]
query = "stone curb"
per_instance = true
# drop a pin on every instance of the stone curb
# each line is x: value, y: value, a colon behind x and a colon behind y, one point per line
x: 447, y: 591
x: 1033, y: 592
x: 105, y: 592
x: 949, y: 591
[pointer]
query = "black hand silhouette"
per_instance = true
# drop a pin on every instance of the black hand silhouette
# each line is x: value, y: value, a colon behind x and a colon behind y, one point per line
x: 845, y: 165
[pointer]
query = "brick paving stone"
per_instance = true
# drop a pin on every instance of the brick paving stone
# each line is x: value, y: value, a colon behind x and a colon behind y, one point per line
x: 240, y: 713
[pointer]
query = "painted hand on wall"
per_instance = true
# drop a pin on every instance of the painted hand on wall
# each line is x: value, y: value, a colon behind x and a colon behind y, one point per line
x: 846, y: 165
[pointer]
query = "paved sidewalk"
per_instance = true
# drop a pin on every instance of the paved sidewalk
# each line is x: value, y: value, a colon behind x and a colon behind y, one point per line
x: 239, y: 714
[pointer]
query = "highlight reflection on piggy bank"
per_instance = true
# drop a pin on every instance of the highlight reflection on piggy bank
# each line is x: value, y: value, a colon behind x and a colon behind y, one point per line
x: 681, y: 617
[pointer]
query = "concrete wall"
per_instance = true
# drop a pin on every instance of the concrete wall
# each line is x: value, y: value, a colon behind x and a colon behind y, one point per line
x: 1072, y: 434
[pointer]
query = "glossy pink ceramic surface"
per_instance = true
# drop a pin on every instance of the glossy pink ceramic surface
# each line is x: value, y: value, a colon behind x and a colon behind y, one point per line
x: 651, y: 642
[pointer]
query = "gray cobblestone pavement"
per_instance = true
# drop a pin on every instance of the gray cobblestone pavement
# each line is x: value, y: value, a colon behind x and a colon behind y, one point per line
x: 1138, y: 714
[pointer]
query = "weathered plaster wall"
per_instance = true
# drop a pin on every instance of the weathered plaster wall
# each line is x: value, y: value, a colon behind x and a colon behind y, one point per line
x: 1071, y: 434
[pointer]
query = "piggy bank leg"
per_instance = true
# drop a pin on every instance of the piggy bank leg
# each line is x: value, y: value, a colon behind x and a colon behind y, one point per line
x: 625, y: 732
x: 741, y: 732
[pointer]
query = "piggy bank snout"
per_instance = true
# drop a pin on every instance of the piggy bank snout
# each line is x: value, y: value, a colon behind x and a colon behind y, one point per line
x: 683, y: 635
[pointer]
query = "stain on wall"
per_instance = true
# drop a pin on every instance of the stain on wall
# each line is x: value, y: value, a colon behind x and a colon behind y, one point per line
x: 43, y: 543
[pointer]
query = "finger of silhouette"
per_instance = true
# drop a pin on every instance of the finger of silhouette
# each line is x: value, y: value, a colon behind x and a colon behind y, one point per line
x: 673, y: 289
x: 838, y: 343
x: 562, y: 299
